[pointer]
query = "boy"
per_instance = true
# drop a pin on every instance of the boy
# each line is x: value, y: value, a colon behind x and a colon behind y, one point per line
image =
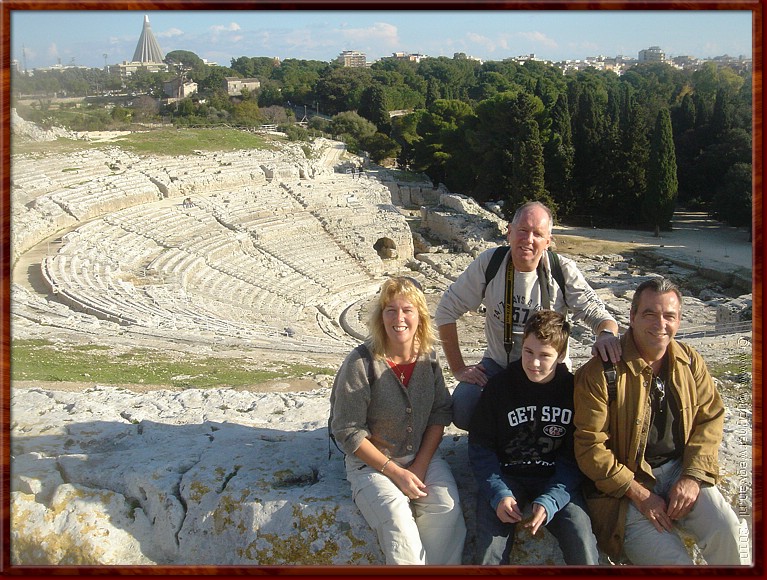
x: 521, y: 449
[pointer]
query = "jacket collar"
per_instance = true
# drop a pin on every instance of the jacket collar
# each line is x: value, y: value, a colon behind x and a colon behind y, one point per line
x: 636, y: 363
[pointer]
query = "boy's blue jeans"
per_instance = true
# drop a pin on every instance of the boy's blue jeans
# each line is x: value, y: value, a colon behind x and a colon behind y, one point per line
x: 571, y: 526
x: 466, y: 395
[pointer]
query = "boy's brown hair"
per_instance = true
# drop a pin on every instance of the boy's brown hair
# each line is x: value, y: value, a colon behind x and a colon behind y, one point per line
x: 550, y: 328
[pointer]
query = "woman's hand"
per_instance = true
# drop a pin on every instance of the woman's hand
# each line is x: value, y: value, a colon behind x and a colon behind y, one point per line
x: 407, y: 481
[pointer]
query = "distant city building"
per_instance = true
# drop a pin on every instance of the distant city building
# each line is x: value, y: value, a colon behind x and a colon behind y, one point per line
x: 147, y: 49
x: 352, y: 58
x: 60, y: 67
x: 234, y: 85
x: 464, y: 56
x: 408, y: 57
x: 179, y: 88
x: 652, y: 54
x: 148, y: 56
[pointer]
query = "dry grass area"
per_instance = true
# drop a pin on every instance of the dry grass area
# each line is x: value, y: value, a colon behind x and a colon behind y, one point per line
x: 580, y: 246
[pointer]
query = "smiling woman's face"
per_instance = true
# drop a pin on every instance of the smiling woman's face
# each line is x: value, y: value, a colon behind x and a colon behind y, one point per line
x: 400, y: 319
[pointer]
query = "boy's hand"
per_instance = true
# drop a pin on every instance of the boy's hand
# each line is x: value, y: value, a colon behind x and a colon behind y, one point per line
x: 538, y: 518
x: 508, y: 511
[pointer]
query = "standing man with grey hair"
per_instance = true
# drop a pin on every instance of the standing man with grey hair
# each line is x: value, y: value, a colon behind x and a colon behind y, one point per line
x: 647, y: 433
x: 529, y: 278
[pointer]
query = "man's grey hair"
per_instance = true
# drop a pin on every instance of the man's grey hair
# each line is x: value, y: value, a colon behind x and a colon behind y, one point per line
x: 658, y: 285
x: 529, y: 205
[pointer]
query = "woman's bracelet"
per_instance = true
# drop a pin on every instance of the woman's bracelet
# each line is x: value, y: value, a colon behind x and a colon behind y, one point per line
x: 384, y: 465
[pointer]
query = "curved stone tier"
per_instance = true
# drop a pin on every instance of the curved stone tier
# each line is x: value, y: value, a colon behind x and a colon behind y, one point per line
x: 263, y: 246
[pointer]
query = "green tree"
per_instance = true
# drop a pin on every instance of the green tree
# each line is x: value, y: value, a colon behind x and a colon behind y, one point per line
x: 527, y: 177
x: 453, y: 77
x: 662, y: 186
x: 247, y: 113
x: 709, y: 167
x: 214, y: 81
x: 628, y: 175
x: 269, y: 94
x: 558, y: 156
x: 683, y: 116
x: 340, y: 88
x: 591, y: 142
x: 374, y: 108
x: 187, y: 62
x: 254, y: 67
x: 298, y: 79
x: 405, y: 133
x: 732, y: 201
x: 145, y: 109
x: 352, y: 129
x: 433, y: 92
x: 121, y: 114
x: 506, y: 144
x: 380, y: 147
x: 721, y: 117
x: 442, y: 151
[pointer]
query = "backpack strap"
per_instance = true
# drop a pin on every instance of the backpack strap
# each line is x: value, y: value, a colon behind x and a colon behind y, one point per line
x: 611, y: 376
x: 556, y: 272
x: 500, y: 253
x: 495, y: 262
x: 370, y: 374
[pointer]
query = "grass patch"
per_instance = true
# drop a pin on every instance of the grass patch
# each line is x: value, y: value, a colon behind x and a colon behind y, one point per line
x: 170, y: 141
x: 735, y: 365
x: 409, y: 176
x: 160, y: 142
x: 40, y: 360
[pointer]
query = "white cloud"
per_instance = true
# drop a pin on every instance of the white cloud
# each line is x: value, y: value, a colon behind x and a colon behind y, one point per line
x: 52, y: 51
x: 585, y: 48
x: 521, y: 42
x: 379, y: 32
x: 486, y: 42
x: 170, y: 33
x: 538, y: 39
x: 218, y: 28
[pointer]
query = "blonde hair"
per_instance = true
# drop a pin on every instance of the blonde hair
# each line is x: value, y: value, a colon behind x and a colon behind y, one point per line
x: 425, y: 336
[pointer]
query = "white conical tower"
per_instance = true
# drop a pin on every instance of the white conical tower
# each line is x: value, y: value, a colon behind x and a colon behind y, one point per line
x: 147, y: 49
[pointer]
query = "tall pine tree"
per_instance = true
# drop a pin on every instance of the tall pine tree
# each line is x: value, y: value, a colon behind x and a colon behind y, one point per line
x: 662, y: 186
x: 558, y: 156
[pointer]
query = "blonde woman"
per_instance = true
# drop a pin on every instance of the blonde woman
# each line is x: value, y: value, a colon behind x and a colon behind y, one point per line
x: 390, y: 407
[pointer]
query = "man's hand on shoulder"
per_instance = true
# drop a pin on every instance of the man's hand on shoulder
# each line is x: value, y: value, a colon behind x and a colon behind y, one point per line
x: 474, y: 374
x: 607, y: 346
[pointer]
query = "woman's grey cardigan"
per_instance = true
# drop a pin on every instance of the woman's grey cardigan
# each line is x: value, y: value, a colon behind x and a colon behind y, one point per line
x: 392, y: 416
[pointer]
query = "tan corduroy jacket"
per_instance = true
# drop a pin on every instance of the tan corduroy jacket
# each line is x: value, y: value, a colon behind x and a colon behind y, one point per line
x: 610, y: 442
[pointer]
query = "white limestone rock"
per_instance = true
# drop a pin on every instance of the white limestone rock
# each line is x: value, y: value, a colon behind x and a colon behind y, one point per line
x: 214, y: 477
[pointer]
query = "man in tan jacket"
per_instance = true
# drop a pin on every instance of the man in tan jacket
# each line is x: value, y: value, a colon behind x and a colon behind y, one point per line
x: 651, y: 449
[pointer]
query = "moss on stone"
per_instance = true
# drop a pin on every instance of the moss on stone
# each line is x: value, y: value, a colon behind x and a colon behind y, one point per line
x: 299, y: 548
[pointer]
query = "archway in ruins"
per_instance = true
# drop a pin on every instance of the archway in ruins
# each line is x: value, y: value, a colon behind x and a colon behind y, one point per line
x: 386, y: 248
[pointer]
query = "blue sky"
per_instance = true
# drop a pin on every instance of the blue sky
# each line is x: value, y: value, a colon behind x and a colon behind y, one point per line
x: 83, y: 37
